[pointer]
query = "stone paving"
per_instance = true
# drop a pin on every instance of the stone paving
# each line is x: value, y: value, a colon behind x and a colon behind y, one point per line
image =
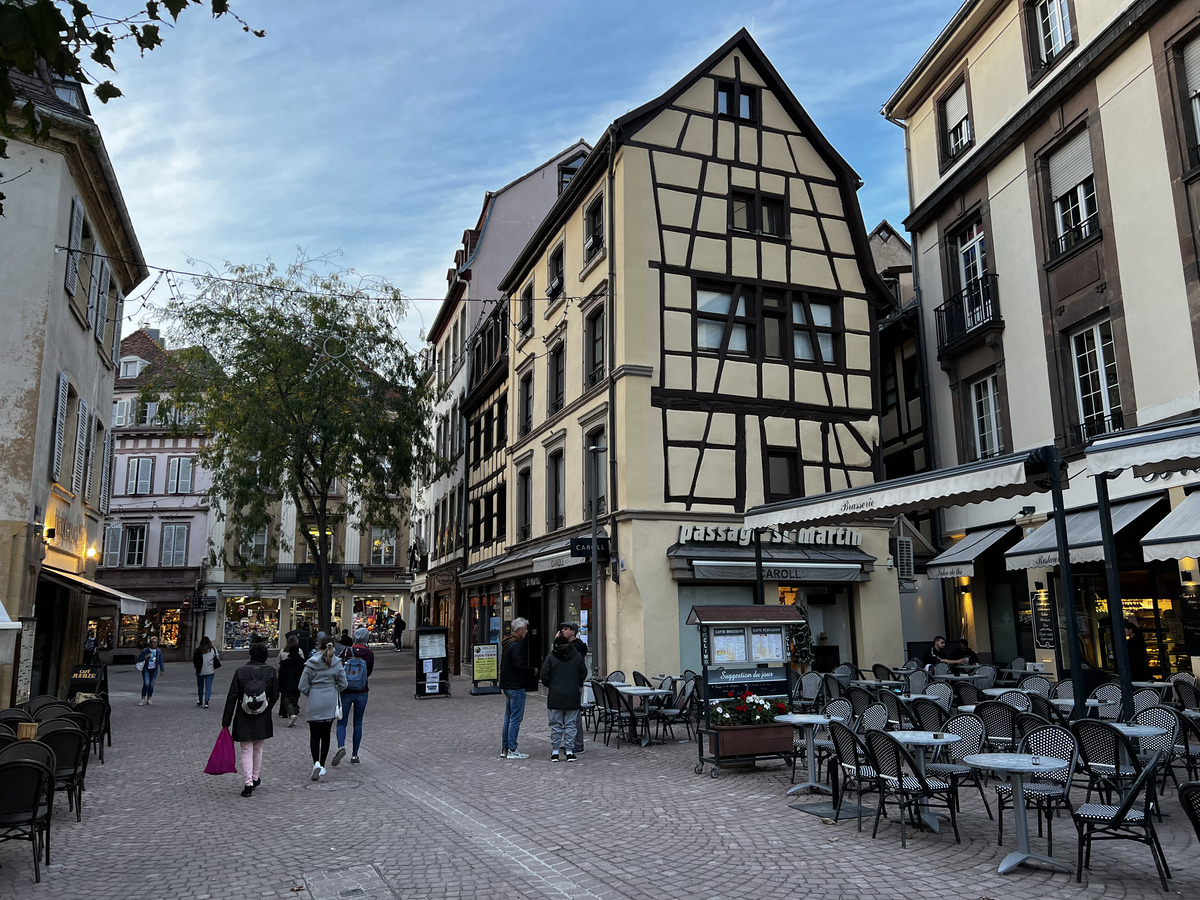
x: 433, y: 812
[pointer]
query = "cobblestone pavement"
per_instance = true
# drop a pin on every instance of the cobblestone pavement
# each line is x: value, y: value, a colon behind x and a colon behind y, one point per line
x: 433, y: 811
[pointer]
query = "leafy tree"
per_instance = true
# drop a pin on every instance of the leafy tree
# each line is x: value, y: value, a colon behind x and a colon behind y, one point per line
x: 59, y: 33
x: 300, y: 380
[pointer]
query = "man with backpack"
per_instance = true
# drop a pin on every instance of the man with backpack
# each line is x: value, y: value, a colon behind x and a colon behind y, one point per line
x: 358, y: 661
x: 252, y: 692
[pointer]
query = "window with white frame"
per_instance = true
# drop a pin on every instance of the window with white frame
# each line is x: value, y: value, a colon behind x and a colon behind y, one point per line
x: 131, y: 366
x: 383, y: 546
x: 1050, y: 24
x: 972, y: 267
x: 147, y: 413
x: 174, y: 546
x: 112, y: 546
x: 139, y: 476
x: 1073, y: 192
x: 556, y: 487
x: 985, y: 417
x: 1098, y: 389
x: 120, y: 413
x: 593, y: 229
x: 1191, y: 94
x: 179, y: 475
x: 254, y: 548
x: 135, y: 545
x: 956, y: 123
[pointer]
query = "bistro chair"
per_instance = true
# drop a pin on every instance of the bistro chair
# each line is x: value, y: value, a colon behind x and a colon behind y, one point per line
x: 52, y: 725
x: 1040, y: 706
x: 34, y: 703
x: 6, y: 738
x: 1016, y: 700
x: 1109, y: 696
x: 873, y: 718
x: 678, y: 709
x: 1100, y: 822
x: 600, y: 713
x: 621, y: 716
x: 1035, y: 684
x: 1106, y: 756
x: 927, y: 715
x: 1161, y: 744
x: 850, y: 756
x: 942, y: 694
x: 984, y: 677
x: 29, y: 750
x: 1189, y: 799
x: 897, y: 775
x: 1144, y: 699
x: 1188, y: 745
x: 838, y: 710
x: 53, y: 710
x: 967, y: 693
x: 882, y: 672
x: 969, y: 728
x: 845, y: 673
x: 1182, y: 676
x: 916, y: 683
x: 912, y: 665
x: 70, y: 753
x: 1064, y: 690
x: 806, y: 692
x: 1028, y: 722
x: 832, y: 687
x: 616, y: 676
x: 1048, y: 790
x: 894, y: 707
x: 1187, y: 695
x: 587, y: 708
x: 14, y: 715
x: 1015, y: 668
x: 860, y: 698
x: 641, y: 680
x: 26, y: 807
x: 999, y: 724
x: 941, y: 668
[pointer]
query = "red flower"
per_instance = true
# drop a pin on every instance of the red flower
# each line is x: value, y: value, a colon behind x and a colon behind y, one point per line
x: 740, y: 708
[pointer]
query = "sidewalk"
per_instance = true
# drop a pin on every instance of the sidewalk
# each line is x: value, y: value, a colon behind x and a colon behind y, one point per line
x: 433, y: 812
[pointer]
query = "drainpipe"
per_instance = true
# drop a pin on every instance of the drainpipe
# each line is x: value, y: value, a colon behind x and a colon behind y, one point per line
x: 610, y: 319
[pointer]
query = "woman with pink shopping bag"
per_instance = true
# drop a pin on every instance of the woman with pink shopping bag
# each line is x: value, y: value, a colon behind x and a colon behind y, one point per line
x: 222, y: 760
x: 252, y: 693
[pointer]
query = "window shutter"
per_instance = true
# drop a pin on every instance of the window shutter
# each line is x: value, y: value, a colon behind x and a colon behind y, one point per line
x: 120, y: 411
x: 106, y: 473
x: 112, y: 546
x: 145, y: 473
x: 60, y: 428
x: 74, y: 241
x: 131, y: 475
x: 904, y: 557
x: 93, y: 288
x: 168, y: 545
x: 1191, y: 67
x: 118, y: 320
x: 173, y: 476
x: 956, y: 106
x: 185, y: 475
x: 81, y: 424
x: 91, y: 457
x: 102, y: 302
x: 1070, y: 165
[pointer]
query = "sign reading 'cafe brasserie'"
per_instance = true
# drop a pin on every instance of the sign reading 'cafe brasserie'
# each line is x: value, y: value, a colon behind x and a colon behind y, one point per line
x: 713, y: 534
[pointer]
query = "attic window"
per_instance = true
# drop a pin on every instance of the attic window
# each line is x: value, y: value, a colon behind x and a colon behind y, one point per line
x: 567, y: 171
x: 737, y: 100
x: 69, y: 93
x: 131, y: 367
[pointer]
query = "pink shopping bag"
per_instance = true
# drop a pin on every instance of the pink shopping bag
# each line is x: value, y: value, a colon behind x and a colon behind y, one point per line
x: 222, y: 760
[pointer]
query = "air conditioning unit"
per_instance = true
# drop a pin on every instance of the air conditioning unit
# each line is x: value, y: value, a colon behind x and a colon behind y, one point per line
x: 904, y: 557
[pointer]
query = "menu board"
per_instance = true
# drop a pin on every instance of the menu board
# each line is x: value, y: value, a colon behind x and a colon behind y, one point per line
x: 728, y: 645
x: 1190, y: 620
x: 766, y: 643
x: 431, y: 646
x: 1044, y: 630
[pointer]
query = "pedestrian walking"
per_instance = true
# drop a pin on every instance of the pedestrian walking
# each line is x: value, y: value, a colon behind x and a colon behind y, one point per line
x: 150, y: 662
x: 291, y: 665
x: 344, y: 638
x: 564, y: 673
x: 206, y: 661
x: 252, y: 692
x: 358, y: 662
x: 516, y: 676
x: 570, y: 630
x: 91, y: 653
x: 317, y: 647
x: 304, y: 635
x: 398, y: 626
x: 322, y: 681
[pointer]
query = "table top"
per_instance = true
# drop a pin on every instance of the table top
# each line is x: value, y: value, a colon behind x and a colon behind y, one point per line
x: 924, y: 738
x: 870, y: 682
x: 803, y: 719
x: 1068, y: 703
x: 968, y: 708
x: 1014, y: 762
x: 1192, y: 713
x: 642, y: 691
x: 1138, y: 731
x: 996, y: 692
x: 908, y: 697
x: 955, y: 677
x: 1154, y: 685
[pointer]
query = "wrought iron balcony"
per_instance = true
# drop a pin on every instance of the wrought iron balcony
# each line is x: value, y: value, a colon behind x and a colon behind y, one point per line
x: 1094, y: 427
x: 1081, y: 232
x: 975, y: 307
x: 299, y: 573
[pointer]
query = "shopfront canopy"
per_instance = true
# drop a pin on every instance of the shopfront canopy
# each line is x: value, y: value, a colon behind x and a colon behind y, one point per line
x: 1016, y: 475
x: 101, y: 595
x: 798, y: 564
x: 1178, y: 535
x: 1039, y: 550
x: 958, y: 561
x: 1150, y: 450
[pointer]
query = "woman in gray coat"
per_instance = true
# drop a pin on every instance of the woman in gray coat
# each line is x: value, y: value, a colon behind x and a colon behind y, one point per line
x: 321, y: 682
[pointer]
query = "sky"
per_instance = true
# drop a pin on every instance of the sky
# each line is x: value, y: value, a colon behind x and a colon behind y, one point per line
x: 372, y: 128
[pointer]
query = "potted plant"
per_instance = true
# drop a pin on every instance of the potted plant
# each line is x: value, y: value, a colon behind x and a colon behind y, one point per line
x: 745, y: 726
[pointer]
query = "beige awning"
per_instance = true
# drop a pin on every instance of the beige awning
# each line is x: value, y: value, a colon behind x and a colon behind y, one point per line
x: 126, y: 603
x: 1039, y: 549
x: 1150, y: 450
x: 1177, y: 536
x: 959, y: 561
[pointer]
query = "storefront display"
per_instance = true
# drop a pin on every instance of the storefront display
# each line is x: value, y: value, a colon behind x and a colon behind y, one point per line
x: 248, y: 616
x: 136, y: 631
x: 105, y: 630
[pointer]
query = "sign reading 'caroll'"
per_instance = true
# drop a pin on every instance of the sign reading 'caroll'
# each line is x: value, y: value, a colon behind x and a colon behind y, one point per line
x: 714, y: 534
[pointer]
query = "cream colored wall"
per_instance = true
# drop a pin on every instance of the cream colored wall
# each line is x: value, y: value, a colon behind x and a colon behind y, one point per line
x: 878, y: 622
x: 1161, y: 347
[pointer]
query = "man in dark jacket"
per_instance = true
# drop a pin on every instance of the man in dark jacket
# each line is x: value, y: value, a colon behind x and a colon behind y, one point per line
x: 564, y: 673
x: 252, y: 692
x: 515, y: 675
x: 570, y: 631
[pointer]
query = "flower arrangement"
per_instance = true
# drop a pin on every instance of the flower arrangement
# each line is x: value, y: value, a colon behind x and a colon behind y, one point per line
x: 746, y: 709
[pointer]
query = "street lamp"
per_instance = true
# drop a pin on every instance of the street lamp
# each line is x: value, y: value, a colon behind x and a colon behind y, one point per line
x: 594, y: 453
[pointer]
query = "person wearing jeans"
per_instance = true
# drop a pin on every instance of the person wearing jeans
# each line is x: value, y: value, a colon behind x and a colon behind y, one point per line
x: 204, y: 659
x: 354, y: 699
x: 516, y: 676
x: 151, y: 659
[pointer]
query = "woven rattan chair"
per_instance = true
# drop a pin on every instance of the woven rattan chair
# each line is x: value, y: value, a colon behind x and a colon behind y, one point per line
x: 967, y: 694
x: 928, y: 715
x: 15, y: 715
x: 831, y: 688
x: 71, y: 754
x: 1145, y: 699
x: 894, y: 707
x: 850, y: 757
x: 26, y: 807
x: 1106, y: 756
x: 941, y: 668
x: 52, y: 710
x: 616, y: 676
x: 942, y: 694
x: 838, y: 710
x: 969, y: 728
x: 1000, y: 725
x: 1189, y: 799
x: 806, y: 692
x: 1064, y: 690
x: 1017, y: 666
x: 860, y: 699
x: 873, y: 718
x: 33, y: 704
x: 882, y: 672
x: 1187, y: 695
x: 1036, y: 684
x: 984, y: 677
x: 1131, y: 820
x: 916, y: 683
x: 1049, y: 790
x: 1028, y: 722
x: 1109, y: 696
x: 845, y: 673
x: 1016, y: 700
x: 897, y: 775
x: 1162, y: 744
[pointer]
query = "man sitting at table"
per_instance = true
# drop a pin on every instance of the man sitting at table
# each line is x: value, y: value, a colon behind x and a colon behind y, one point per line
x: 965, y: 651
x: 939, y: 653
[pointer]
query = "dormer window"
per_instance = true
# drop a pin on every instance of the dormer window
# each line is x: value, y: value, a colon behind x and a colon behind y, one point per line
x: 568, y: 170
x: 131, y: 366
x: 70, y: 92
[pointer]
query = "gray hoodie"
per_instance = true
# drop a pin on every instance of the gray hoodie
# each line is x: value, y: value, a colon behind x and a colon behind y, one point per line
x: 321, y: 686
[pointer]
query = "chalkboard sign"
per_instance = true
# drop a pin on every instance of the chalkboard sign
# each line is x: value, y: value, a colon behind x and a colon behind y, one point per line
x: 1045, y: 632
x: 1190, y: 618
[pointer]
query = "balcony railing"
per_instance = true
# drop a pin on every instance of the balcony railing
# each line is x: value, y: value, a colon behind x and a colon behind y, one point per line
x: 299, y: 573
x: 524, y: 532
x: 1081, y: 232
x: 1095, y: 427
x: 975, y: 306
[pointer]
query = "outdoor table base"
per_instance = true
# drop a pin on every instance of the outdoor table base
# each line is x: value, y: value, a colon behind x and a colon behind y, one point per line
x: 809, y: 723
x: 1021, y: 765
x: 919, y: 740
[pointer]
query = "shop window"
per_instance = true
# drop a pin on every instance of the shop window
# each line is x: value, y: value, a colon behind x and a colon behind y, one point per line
x: 136, y: 631
x: 249, y: 617
x: 383, y: 546
x: 174, y: 546
x: 985, y: 417
x: 1098, y: 390
x: 135, y: 545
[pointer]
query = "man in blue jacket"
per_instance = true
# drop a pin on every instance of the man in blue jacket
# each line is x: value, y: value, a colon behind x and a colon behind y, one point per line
x: 515, y: 676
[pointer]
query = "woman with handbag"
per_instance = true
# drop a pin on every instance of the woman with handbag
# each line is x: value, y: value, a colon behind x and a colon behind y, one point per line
x: 206, y: 661
x: 322, y: 682
x: 291, y: 666
x: 150, y: 664
x: 252, y: 692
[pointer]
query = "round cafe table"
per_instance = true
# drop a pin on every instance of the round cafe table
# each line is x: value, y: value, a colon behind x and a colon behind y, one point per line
x: 1016, y: 766
x: 807, y: 722
x: 920, y: 740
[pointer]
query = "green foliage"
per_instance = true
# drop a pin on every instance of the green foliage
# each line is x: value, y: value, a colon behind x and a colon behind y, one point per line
x: 57, y: 33
x: 801, y: 640
x: 300, y: 380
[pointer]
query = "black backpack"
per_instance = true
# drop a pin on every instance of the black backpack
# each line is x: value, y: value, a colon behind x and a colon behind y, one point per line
x: 254, y: 696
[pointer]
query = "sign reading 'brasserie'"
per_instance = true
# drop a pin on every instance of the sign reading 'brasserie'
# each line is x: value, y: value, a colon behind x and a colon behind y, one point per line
x: 731, y: 534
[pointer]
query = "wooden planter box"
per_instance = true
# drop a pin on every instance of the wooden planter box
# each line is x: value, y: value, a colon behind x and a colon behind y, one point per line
x: 751, y: 740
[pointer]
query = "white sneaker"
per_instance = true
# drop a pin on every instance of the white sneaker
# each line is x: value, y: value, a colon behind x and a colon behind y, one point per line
x: 517, y: 754
x: 149, y: 702
x: 317, y: 770
x: 292, y: 722
x: 322, y: 770
x: 142, y: 702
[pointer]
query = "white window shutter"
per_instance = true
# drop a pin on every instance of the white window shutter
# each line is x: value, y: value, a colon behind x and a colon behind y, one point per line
x: 904, y: 557
x: 1070, y: 165
x: 93, y: 289
x: 120, y: 411
x: 81, y: 424
x: 185, y: 475
x: 60, y: 428
x: 1191, y: 67
x: 74, y: 242
x: 102, y: 302
x: 173, y: 476
x: 106, y: 473
x: 131, y: 474
x: 168, y: 545
x: 112, y: 546
x: 91, y: 457
x: 145, y: 473
x: 956, y: 107
x: 118, y: 320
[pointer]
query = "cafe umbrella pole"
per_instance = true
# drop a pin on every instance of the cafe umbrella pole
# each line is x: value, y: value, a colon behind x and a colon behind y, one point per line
x: 1115, y: 608
x: 1054, y: 463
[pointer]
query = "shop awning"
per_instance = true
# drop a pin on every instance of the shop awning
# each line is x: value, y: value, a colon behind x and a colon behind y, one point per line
x: 126, y: 603
x: 1015, y: 475
x: 1039, y: 550
x: 1178, y: 535
x: 958, y: 561
x: 787, y: 564
x: 742, y: 615
x: 1149, y: 450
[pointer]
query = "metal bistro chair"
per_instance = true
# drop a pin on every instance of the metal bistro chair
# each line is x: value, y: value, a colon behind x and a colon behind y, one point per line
x: 806, y: 692
x: 54, y: 710
x: 600, y: 714
x: 850, y: 755
x: 941, y: 668
x: 1035, y: 684
x: 1015, y: 668
x: 845, y: 673
x: 897, y: 775
x: 14, y: 715
x: 641, y: 680
x: 615, y: 676
x: 1103, y: 822
x: 916, y: 683
x: 29, y: 750
x: 942, y: 694
x: 1187, y: 695
x: 831, y: 688
x: 873, y: 718
x: 927, y: 715
x: 1000, y: 725
x: 894, y: 707
x: 967, y: 694
x: 882, y: 672
x: 860, y: 699
x: 1106, y: 756
x: 1189, y: 745
x: 1048, y: 790
x: 26, y: 807
x: 1163, y: 744
x: 969, y: 728
x: 1109, y: 696
x: 1189, y: 799
x: 34, y: 703
x: 1064, y: 690
x: 1040, y: 706
x: 1016, y: 700
x: 838, y: 710
x: 984, y: 677
x: 1028, y: 722
x: 677, y: 710
x: 71, y: 754
x: 1144, y: 699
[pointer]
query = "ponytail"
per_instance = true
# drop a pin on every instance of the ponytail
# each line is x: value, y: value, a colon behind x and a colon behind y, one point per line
x: 327, y: 652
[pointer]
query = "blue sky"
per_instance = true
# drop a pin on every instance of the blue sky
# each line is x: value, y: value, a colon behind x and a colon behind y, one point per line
x: 375, y: 131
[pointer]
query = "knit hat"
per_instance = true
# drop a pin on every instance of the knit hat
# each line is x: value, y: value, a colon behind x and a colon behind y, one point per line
x: 361, y: 635
x: 258, y: 652
x: 560, y: 640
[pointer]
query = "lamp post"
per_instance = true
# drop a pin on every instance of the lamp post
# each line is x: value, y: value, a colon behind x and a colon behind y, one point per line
x: 349, y: 579
x: 594, y: 455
